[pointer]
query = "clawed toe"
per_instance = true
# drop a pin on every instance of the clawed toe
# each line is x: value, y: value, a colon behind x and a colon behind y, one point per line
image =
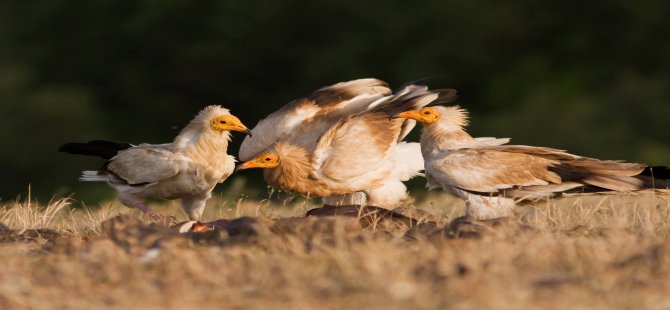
x: 197, y: 226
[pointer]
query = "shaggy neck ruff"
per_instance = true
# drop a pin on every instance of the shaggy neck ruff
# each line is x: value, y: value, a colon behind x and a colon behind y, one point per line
x: 447, y: 132
x: 293, y: 172
x: 202, y: 143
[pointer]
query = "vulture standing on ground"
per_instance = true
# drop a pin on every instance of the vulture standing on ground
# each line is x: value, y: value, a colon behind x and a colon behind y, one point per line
x: 362, y: 152
x: 491, y: 177
x: 186, y: 169
x: 303, y: 121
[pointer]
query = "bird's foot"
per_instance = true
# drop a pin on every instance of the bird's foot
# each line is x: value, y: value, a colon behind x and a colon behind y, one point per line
x: 155, y: 217
x: 158, y: 218
x: 197, y: 226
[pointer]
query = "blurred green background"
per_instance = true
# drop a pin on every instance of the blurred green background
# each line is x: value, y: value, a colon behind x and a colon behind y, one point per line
x: 591, y: 77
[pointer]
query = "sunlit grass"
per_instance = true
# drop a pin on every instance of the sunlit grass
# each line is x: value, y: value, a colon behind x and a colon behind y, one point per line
x: 600, y: 251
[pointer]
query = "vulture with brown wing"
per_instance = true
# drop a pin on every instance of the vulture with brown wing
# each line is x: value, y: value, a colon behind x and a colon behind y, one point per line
x: 359, y: 152
x: 492, y: 177
x: 303, y: 121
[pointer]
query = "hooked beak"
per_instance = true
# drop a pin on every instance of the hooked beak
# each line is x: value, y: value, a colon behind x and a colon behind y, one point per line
x: 412, y: 114
x: 247, y: 131
x: 239, y: 167
x: 247, y: 165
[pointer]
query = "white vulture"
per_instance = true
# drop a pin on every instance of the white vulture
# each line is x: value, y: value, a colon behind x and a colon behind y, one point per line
x: 303, y: 121
x: 186, y: 169
x: 492, y: 177
x: 362, y: 152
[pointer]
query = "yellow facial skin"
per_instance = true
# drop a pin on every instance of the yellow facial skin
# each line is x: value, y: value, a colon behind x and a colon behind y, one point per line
x: 228, y: 123
x: 425, y: 115
x: 267, y: 160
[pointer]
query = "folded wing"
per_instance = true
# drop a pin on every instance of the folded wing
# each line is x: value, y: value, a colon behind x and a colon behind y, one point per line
x: 144, y: 164
x: 496, y: 168
x: 487, y: 170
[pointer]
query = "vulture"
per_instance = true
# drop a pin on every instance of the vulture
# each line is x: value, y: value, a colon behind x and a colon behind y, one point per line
x: 492, y: 176
x: 186, y: 169
x: 360, y: 152
x: 303, y: 121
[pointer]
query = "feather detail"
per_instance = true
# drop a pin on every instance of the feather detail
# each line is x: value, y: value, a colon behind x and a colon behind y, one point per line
x: 474, y: 168
x: 187, y: 169
x: 304, y: 120
x: 100, y: 148
x: 294, y: 172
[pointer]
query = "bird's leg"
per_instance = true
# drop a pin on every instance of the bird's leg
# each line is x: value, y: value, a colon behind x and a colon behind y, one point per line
x: 152, y: 215
x: 357, y: 198
x: 194, y: 206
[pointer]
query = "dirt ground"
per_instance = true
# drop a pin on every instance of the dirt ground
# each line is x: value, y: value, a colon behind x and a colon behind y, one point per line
x: 585, y: 252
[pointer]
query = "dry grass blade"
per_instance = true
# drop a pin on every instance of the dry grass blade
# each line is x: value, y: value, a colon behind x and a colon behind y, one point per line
x: 586, y: 251
x: 24, y: 215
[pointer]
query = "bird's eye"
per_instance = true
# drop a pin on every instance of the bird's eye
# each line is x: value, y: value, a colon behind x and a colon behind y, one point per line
x: 222, y: 122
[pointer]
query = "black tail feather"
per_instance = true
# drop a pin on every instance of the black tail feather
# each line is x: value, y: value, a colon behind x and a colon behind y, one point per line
x: 657, y: 172
x: 100, y: 148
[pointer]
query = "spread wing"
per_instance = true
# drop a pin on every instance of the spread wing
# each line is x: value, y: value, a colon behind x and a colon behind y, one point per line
x: 144, y: 164
x: 361, y: 143
x: 355, y: 146
x: 491, y: 170
x: 308, y: 118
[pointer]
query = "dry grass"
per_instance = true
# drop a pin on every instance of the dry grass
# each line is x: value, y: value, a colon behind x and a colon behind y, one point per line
x: 582, y: 252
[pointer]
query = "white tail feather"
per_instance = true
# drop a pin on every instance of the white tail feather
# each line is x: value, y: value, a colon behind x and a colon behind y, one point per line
x: 409, y: 161
x: 92, y: 176
x: 389, y: 196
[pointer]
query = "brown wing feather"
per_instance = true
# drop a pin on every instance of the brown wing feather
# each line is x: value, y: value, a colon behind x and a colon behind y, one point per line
x: 491, y: 170
x: 307, y: 118
x: 333, y: 95
x: 606, y: 174
x: 355, y: 146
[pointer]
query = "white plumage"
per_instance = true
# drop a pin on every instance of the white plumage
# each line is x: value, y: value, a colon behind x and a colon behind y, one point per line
x: 360, y: 152
x: 186, y: 169
x: 303, y: 121
x: 491, y: 176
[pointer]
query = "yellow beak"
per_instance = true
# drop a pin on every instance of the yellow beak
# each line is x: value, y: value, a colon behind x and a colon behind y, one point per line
x: 261, y: 161
x: 249, y: 164
x: 230, y: 123
x: 412, y: 114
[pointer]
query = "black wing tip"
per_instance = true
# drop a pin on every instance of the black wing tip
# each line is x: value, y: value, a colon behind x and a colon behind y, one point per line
x: 414, y: 82
x: 657, y: 172
x: 414, y: 97
x: 445, y: 95
x: 100, y: 148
